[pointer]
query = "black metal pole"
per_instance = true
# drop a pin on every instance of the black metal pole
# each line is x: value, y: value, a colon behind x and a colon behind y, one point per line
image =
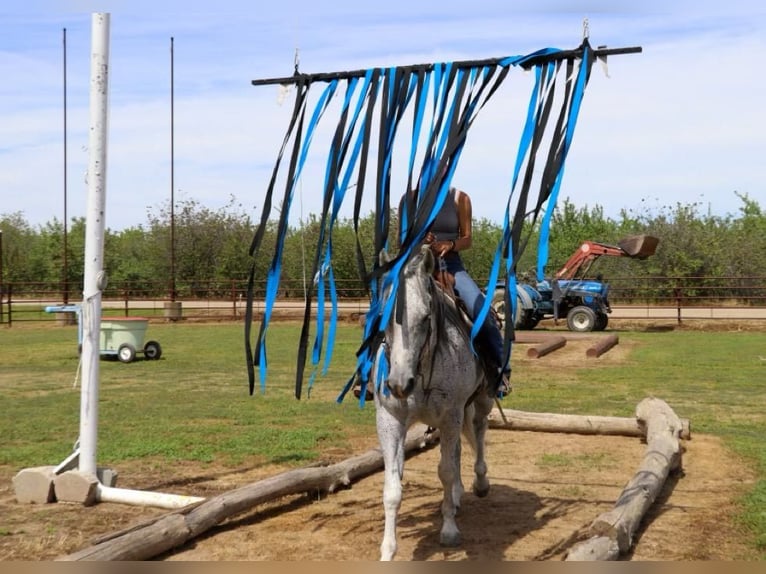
x: 1, y: 276
x: 172, y: 185
x: 601, y: 52
x: 66, y: 267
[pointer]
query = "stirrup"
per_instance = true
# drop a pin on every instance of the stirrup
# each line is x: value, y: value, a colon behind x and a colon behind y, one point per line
x: 504, y: 387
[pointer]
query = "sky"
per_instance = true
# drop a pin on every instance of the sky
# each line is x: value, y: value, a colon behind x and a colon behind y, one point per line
x: 682, y: 122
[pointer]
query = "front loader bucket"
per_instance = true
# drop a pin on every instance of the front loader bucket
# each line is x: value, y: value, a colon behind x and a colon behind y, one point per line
x: 639, y: 246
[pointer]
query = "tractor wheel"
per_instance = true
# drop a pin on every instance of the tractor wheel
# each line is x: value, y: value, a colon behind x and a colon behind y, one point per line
x: 524, y: 319
x: 498, y: 304
x: 581, y: 319
x: 530, y: 322
x: 602, y: 320
x: 126, y: 353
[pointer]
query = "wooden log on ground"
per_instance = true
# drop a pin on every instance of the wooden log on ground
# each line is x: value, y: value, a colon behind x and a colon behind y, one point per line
x: 178, y: 527
x: 576, y: 424
x: 595, y: 548
x: 532, y: 337
x: 602, y: 345
x: 663, y: 455
x: 548, y: 346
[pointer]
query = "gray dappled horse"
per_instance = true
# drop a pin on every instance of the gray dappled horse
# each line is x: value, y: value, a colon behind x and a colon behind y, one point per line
x: 433, y: 378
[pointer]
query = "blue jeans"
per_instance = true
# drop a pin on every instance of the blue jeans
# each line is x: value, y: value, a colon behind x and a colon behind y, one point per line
x: 466, y: 288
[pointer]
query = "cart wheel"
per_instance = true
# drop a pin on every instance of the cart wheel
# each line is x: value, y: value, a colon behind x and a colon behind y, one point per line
x: 126, y: 353
x: 152, y: 350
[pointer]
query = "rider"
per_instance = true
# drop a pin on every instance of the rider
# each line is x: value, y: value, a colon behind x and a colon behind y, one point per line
x: 450, y: 233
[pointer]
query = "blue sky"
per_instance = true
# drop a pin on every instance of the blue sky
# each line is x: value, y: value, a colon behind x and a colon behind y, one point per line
x: 682, y: 122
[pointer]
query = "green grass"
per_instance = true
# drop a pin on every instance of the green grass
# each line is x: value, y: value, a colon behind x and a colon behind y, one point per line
x: 193, y: 404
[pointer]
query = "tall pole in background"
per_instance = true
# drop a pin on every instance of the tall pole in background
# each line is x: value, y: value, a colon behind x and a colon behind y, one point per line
x: 172, y: 186
x: 66, y: 272
x: 1, y: 276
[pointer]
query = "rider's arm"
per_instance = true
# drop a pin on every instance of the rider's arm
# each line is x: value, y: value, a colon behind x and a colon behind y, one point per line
x: 464, y: 218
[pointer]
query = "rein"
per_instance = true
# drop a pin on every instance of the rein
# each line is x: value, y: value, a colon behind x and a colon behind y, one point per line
x: 428, y: 350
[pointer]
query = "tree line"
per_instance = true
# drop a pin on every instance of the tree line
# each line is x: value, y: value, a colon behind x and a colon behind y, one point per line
x: 211, y: 249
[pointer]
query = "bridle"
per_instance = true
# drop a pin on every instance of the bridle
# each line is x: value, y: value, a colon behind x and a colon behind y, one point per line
x: 425, y: 363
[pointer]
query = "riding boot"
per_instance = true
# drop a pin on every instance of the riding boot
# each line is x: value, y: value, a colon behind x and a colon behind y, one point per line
x: 504, y: 387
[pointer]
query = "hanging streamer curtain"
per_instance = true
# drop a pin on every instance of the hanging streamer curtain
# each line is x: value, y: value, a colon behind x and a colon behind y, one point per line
x: 429, y: 109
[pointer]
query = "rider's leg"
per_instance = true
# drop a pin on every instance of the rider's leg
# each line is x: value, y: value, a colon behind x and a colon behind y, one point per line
x: 466, y: 288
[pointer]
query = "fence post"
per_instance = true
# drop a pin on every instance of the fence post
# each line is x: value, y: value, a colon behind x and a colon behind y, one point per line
x: 234, y: 297
x: 678, y: 294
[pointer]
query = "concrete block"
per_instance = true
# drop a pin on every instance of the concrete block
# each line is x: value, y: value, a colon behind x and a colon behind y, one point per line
x: 106, y: 476
x: 35, y: 485
x: 76, y: 486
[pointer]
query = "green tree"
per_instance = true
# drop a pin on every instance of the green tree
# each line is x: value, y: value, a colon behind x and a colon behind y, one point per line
x: 202, y: 248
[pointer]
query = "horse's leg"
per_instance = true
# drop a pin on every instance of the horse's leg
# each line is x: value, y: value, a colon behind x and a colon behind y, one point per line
x: 391, y: 434
x: 476, y: 427
x: 457, y: 485
x: 449, y: 473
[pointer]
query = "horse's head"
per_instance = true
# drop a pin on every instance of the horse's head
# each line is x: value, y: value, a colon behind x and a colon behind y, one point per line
x: 409, y: 331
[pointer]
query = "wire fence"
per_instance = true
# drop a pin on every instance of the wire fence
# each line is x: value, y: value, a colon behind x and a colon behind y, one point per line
x: 677, y: 297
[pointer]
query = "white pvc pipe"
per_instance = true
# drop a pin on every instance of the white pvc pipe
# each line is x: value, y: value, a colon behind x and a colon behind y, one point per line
x: 144, y: 498
x: 94, y: 241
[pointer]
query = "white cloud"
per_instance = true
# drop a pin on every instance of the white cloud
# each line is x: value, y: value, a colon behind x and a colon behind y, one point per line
x: 680, y: 121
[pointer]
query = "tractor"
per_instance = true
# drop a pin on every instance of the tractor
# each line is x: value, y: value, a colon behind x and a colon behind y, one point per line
x: 584, y: 302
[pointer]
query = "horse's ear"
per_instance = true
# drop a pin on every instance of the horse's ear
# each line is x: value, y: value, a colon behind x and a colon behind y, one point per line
x: 383, y: 257
x: 429, y: 262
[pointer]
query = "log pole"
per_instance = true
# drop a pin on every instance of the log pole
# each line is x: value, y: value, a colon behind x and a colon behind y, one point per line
x: 548, y: 346
x: 510, y: 419
x: 176, y: 528
x: 612, y: 533
x: 602, y: 346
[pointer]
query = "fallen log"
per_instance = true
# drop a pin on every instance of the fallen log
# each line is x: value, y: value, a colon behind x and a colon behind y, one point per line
x: 612, y: 532
x: 602, y: 345
x: 548, y: 346
x: 532, y: 337
x: 174, y: 529
x: 575, y: 424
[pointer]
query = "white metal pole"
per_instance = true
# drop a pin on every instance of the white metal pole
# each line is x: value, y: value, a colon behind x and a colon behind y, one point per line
x: 94, y: 280
x: 144, y: 498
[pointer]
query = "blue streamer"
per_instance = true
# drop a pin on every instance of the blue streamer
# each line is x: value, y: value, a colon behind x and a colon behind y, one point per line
x: 577, y: 96
x: 456, y: 96
x: 274, y: 273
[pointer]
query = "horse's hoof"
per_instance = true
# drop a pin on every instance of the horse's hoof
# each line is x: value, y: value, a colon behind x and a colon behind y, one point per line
x: 481, y: 492
x: 450, y: 539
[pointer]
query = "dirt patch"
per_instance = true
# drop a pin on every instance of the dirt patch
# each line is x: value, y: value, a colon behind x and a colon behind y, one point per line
x: 546, y: 488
